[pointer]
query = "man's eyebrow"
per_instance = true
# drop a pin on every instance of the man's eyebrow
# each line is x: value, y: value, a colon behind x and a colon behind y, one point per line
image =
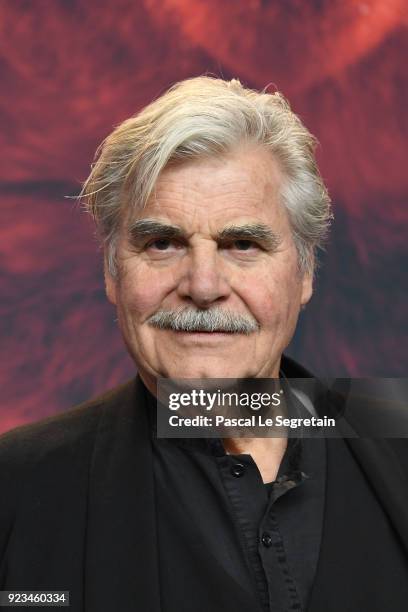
x: 260, y: 232
x: 152, y: 227
x: 251, y: 231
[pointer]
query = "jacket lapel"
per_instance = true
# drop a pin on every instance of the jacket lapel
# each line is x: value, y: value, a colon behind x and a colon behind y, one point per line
x: 365, y: 516
x: 383, y: 470
x: 357, y: 536
x: 121, y: 571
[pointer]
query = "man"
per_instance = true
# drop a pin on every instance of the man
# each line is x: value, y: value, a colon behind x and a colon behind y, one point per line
x: 211, y: 208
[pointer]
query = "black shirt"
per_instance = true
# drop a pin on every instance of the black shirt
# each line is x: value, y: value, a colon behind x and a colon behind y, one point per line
x: 214, y: 506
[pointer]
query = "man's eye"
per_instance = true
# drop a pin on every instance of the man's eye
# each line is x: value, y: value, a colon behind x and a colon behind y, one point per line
x: 161, y: 244
x: 244, y: 245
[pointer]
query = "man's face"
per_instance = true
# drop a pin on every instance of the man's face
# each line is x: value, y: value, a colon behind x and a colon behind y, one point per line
x: 214, y: 235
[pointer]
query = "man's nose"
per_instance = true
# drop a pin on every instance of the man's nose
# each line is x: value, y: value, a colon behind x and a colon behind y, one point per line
x: 203, y: 281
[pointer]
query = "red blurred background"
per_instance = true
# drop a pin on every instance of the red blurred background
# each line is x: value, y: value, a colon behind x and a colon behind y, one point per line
x: 71, y: 70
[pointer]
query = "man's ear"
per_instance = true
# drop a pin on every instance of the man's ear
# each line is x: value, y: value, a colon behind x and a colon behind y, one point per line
x: 307, y: 288
x: 110, y: 283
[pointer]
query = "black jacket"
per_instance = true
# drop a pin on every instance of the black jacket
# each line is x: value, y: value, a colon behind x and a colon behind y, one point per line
x: 77, y: 513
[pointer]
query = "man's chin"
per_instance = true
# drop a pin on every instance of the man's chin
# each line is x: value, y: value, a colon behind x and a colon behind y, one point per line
x: 208, y: 371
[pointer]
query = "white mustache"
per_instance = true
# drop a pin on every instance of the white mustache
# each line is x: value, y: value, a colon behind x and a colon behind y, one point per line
x: 213, y: 320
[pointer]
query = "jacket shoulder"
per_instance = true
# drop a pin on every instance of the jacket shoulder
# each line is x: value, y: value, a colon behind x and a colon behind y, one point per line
x: 44, y: 453
x: 62, y: 430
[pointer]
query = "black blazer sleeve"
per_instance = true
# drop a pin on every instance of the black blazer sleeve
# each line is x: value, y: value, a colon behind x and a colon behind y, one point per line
x: 43, y: 470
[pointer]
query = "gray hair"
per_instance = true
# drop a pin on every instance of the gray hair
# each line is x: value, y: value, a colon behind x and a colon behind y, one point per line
x: 207, y: 116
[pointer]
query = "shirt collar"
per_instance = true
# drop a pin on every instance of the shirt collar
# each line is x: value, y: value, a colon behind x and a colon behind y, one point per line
x: 290, y: 463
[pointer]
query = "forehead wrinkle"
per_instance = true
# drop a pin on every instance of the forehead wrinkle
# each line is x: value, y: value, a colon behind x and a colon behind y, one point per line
x: 189, y: 196
x: 194, y: 188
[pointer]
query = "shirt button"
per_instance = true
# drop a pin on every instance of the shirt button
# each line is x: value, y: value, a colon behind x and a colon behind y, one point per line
x: 266, y: 540
x: 238, y: 470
